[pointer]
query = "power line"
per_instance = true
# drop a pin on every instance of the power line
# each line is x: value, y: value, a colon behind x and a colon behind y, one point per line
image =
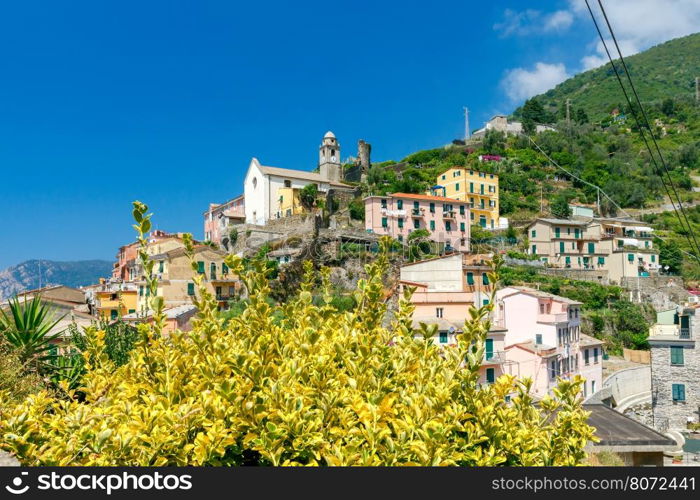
x: 680, y: 215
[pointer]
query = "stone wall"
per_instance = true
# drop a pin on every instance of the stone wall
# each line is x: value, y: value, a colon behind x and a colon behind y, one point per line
x: 629, y: 384
x: 597, y: 276
x: 662, y: 292
x: 675, y: 414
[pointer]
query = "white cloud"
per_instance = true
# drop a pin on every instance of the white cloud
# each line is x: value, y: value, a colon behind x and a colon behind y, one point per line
x: 521, y: 83
x: 558, y: 21
x: 531, y: 21
x: 638, y: 24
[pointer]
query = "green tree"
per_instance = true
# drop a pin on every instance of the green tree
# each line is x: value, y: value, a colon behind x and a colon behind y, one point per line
x: 560, y: 207
x: 357, y: 209
x: 308, y: 195
x: 670, y: 255
x: 581, y: 116
x: 668, y: 107
x: 418, y: 244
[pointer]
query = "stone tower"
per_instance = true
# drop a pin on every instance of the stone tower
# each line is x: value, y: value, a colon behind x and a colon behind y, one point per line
x: 329, y: 158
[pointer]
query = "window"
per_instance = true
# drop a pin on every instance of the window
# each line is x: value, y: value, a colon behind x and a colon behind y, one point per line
x: 212, y: 271
x: 678, y: 392
x: 592, y: 386
x: 630, y: 257
x: 132, y: 311
x: 432, y: 208
x: 113, y: 314
x: 541, y: 308
x: 471, y: 187
x: 553, y: 370
x: 485, y: 279
x: 482, y: 220
x: 457, y: 186
x: 534, y: 249
x: 438, y: 312
x: 416, y: 223
x: 471, y: 215
x: 676, y: 355
x: 448, y: 226
x: 218, y: 292
x: 399, y: 204
x: 161, y: 265
x: 224, y: 269
x: 601, y: 261
x: 557, y: 232
x: 533, y: 233
x: 140, y: 291
x: 200, y: 267
x: 416, y: 205
x: 653, y: 258
x: 443, y: 337
x: 461, y: 210
x: 385, y: 222
x: 470, y: 278
x: 576, y: 232
x: 190, y: 288
x: 561, y: 247
x: 490, y: 375
x: 432, y: 225
x: 383, y: 203
x: 489, y: 348
x: 591, y: 247
x: 538, y: 338
x: 400, y: 221
x: 443, y: 177
x: 287, y: 183
x: 462, y: 227
x: 595, y: 355
x: 400, y: 238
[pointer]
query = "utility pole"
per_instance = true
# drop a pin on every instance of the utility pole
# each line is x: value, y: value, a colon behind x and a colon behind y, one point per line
x: 467, y: 135
x: 697, y: 89
x: 598, y: 203
x: 568, y: 112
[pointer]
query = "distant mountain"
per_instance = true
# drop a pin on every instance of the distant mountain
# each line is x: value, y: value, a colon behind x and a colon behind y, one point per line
x: 36, y: 273
x: 665, y: 70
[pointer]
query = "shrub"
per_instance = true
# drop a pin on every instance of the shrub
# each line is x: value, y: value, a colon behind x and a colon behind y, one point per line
x: 313, y: 387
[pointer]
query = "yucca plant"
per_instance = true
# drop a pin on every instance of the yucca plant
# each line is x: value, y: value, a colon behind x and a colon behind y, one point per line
x: 27, y: 326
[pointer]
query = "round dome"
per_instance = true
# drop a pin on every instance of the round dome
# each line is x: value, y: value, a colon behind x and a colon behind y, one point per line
x: 329, y: 135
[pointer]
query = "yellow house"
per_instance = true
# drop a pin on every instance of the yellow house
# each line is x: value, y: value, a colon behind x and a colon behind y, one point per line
x: 479, y: 189
x: 175, y: 283
x: 289, y: 202
x: 114, y: 300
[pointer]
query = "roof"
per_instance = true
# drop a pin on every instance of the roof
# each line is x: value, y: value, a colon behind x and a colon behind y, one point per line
x: 542, y: 350
x: 425, y: 197
x: 329, y: 135
x: 615, y: 429
x: 442, y: 323
x: 543, y: 295
x: 563, y: 222
x: 587, y: 340
x: 171, y: 313
x: 176, y: 252
x: 299, y: 174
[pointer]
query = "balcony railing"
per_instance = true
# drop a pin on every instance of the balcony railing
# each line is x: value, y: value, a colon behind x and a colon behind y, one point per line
x: 417, y: 212
x: 660, y: 330
x: 494, y: 357
x: 450, y: 214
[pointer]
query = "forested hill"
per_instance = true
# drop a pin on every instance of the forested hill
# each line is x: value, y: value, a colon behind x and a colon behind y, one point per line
x: 666, y: 70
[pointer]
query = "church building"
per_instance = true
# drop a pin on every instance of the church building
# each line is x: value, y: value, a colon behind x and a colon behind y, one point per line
x: 274, y: 193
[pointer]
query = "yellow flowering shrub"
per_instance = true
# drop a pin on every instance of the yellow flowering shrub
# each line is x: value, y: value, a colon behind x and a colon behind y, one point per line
x: 297, y: 384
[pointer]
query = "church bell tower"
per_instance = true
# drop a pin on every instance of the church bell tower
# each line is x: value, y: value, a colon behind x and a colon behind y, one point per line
x: 329, y: 158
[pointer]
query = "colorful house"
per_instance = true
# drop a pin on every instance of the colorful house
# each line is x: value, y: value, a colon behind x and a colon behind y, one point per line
x: 399, y: 214
x: 219, y: 219
x: 115, y: 300
x: 479, y: 189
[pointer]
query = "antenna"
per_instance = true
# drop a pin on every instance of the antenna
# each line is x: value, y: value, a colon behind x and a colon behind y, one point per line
x: 467, y: 135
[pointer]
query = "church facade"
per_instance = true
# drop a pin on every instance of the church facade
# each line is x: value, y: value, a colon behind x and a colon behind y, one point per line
x: 273, y: 193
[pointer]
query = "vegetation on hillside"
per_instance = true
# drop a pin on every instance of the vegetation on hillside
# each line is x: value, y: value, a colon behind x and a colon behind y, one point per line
x: 665, y: 71
x: 296, y: 384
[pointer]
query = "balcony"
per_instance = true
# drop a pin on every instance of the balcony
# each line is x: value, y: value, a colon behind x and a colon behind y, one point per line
x: 450, y: 214
x: 670, y: 332
x: 417, y: 212
x: 494, y: 357
x: 553, y: 318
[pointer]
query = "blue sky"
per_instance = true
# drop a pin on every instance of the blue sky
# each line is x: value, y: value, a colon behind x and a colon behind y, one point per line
x: 102, y: 103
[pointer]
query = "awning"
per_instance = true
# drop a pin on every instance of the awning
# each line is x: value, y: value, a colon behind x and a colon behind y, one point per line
x: 641, y: 229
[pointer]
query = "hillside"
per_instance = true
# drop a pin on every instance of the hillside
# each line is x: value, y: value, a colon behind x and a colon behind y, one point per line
x: 666, y: 70
x: 35, y: 273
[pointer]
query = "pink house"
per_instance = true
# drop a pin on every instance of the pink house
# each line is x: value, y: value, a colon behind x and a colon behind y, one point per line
x: 445, y: 289
x: 220, y: 216
x: 543, y: 339
x: 399, y: 214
